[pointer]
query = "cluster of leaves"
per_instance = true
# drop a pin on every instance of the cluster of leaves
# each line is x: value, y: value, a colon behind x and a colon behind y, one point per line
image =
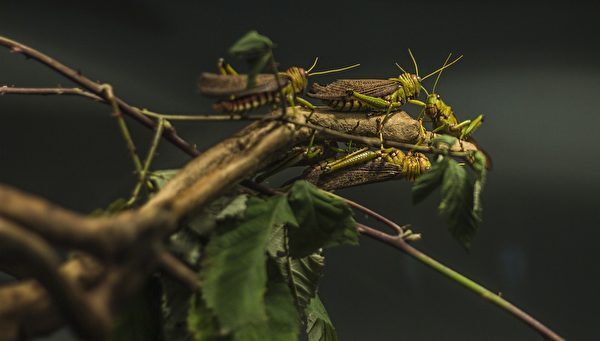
x: 461, y: 192
x: 262, y: 264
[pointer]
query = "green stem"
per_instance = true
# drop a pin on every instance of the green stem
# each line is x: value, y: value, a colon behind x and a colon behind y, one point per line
x: 399, y: 243
x: 216, y: 117
x: 144, y: 171
x: 107, y: 89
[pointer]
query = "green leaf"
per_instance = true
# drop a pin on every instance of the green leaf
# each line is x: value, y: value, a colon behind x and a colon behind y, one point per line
x: 252, y: 44
x: 235, y: 209
x: 257, y: 50
x: 324, y: 220
x: 161, y: 177
x: 457, y: 203
x: 305, y: 276
x: 283, y: 321
x: 429, y: 181
x: 443, y: 142
x: 116, y: 206
x: 202, y: 322
x: 479, y: 165
x: 319, y: 326
x: 141, y: 320
x: 234, y: 269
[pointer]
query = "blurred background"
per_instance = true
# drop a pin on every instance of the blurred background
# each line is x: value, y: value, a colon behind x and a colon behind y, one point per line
x: 531, y: 69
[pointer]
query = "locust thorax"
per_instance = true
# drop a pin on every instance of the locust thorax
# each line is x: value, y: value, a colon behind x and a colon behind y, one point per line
x: 411, y: 84
x: 298, y: 78
x: 432, y: 109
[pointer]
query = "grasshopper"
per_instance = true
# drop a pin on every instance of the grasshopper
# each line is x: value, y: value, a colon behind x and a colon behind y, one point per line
x: 443, y: 117
x: 235, y: 97
x: 412, y: 164
x: 382, y: 95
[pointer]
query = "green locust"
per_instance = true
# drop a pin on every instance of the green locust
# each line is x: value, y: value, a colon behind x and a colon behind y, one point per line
x: 443, y: 117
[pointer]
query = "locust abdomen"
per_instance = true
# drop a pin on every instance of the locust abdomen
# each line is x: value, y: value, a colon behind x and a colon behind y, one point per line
x: 246, y: 103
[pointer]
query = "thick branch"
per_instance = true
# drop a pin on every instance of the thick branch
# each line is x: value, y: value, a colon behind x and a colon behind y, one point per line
x: 17, y: 244
x: 130, y: 238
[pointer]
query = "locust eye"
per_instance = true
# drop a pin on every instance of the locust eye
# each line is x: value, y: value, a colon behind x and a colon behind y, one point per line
x: 437, y: 96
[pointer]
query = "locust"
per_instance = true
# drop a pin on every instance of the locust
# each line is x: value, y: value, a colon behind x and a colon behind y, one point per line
x: 443, y: 117
x: 379, y: 95
x: 412, y: 164
x: 235, y: 96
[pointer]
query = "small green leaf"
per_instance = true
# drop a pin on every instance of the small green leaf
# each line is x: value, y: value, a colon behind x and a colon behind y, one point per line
x: 319, y: 326
x: 429, y: 181
x: 161, y: 177
x: 202, y: 322
x: 234, y: 268
x: 457, y: 203
x: 305, y: 276
x: 116, y: 206
x: 323, y: 220
x: 252, y: 44
x: 235, y: 209
x: 443, y: 142
x: 479, y: 165
x: 256, y: 50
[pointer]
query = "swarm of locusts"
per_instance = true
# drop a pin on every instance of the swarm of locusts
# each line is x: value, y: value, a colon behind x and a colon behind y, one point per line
x: 372, y: 96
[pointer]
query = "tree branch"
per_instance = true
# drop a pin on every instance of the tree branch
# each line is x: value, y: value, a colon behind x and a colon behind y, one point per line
x: 16, y: 243
x: 98, y: 90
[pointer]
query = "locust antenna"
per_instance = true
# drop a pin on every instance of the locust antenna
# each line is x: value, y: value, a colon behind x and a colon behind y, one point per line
x: 414, y: 62
x: 334, y: 70
x: 400, y: 67
x: 440, y: 74
x: 442, y: 68
x: 426, y: 93
x: 313, y: 65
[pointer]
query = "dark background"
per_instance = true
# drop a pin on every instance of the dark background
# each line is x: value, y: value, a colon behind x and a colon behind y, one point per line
x: 532, y: 69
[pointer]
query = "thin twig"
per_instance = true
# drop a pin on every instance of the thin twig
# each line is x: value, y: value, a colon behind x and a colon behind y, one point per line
x: 118, y: 115
x: 10, y: 90
x: 97, y: 89
x: 147, y: 162
x: 178, y: 270
x: 48, y: 91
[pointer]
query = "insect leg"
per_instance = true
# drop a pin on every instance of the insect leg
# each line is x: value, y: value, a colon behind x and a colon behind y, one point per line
x: 305, y: 104
x: 225, y: 68
x: 376, y: 103
x: 473, y: 125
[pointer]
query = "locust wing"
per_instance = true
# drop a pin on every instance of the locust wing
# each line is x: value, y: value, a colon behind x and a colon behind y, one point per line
x: 339, y: 88
x: 216, y: 85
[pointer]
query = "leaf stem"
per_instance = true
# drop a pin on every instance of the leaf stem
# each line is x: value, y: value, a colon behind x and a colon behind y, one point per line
x: 118, y: 115
x: 399, y: 243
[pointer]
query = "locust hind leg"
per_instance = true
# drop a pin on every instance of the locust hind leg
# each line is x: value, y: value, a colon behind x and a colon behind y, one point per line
x: 306, y: 104
x: 471, y: 127
x: 225, y: 68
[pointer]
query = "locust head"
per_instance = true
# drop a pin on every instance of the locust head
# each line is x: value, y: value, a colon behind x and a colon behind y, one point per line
x: 298, y: 78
